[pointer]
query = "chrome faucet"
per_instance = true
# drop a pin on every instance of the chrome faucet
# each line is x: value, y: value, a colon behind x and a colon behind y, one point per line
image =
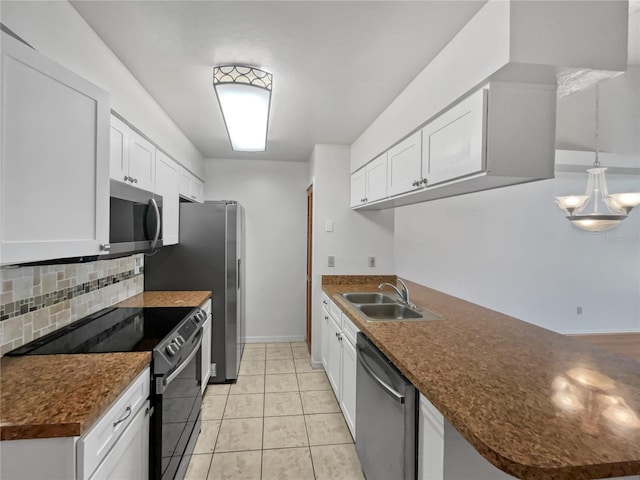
x: 404, y: 294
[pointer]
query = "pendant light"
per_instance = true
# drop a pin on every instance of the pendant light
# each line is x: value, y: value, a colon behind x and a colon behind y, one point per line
x: 244, y: 95
x: 605, y: 211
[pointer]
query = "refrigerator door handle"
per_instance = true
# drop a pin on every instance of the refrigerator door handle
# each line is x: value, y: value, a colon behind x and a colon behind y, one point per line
x: 239, y: 274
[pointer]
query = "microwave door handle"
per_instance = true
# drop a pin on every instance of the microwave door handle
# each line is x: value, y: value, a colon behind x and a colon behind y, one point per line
x: 157, y: 235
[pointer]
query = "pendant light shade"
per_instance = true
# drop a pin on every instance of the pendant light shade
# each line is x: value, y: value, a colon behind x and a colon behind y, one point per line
x: 244, y: 95
x: 603, y: 211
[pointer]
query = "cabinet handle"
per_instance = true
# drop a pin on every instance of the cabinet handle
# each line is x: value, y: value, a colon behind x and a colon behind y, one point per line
x: 135, y: 180
x: 340, y: 336
x: 337, y: 334
x: 424, y: 180
x: 126, y: 415
x: 415, y: 184
x: 126, y: 178
x: 326, y: 318
x: 325, y: 302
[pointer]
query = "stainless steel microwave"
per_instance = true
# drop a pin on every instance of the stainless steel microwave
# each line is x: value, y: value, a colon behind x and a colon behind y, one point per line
x: 135, y: 219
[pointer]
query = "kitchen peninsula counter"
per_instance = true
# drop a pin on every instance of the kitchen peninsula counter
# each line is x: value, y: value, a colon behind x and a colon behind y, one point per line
x: 512, y: 389
x: 45, y: 396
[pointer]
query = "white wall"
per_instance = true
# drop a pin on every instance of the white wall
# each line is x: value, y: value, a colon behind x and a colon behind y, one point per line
x: 356, y: 234
x: 274, y: 197
x: 512, y: 250
x: 57, y: 31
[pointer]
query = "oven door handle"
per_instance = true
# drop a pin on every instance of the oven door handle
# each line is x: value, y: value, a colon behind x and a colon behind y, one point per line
x: 184, y: 364
x: 388, y: 389
x: 158, y: 224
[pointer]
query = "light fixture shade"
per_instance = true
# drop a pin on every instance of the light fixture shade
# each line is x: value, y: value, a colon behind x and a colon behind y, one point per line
x: 625, y: 201
x: 244, y: 95
x: 596, y: 223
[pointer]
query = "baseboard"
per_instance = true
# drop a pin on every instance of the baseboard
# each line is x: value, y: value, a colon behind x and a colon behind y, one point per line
x: 316, y: 364
x: 275, y: 339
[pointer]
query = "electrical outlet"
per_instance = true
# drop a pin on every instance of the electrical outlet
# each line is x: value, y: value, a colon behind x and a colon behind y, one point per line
x: 372, y: 261
x: 331, y: 261
x: 136, y: 267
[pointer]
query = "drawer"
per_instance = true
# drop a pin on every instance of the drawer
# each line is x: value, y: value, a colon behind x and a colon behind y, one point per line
x: 325, y: 302
x: 349, y: 329
x: 95, y: 444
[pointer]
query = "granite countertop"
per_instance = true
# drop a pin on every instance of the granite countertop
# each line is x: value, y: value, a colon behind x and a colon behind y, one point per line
x: 190, y: 298
x: 535, y: 403
x: 44, y: 396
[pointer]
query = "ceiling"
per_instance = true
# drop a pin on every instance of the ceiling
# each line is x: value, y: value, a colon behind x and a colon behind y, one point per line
x: 336, y: 64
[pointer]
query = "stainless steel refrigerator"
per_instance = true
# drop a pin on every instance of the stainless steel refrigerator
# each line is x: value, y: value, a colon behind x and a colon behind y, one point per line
x: 210, y: 256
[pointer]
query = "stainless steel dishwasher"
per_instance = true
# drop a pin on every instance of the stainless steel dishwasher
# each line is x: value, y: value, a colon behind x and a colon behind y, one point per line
x: 386, y: 432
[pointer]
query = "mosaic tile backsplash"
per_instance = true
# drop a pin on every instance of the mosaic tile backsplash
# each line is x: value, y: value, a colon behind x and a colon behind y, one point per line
x: 35, y: 301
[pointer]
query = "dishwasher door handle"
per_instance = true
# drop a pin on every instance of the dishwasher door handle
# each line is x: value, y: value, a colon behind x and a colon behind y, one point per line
x: 392, y: 393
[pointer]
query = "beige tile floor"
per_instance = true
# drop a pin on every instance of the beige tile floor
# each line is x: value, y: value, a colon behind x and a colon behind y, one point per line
x: 279, y: 421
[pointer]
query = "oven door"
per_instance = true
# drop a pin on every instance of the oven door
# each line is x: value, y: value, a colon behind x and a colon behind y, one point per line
x: 177, y: 422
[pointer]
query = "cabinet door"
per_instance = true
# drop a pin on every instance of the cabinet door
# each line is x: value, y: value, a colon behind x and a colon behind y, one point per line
x: 376, y: 178
x: 348, y: 385
x: 119, y: 150
x: 167, y: 184
x: 129, y: 457
x: 206, y: 352
x: 55, y: 159
x: 453, y: 144
x: 325, y: 339
x: 142, y: 162
x: 405, y: 169
x: 358, y: 188
x: 197, y: 190
x: 430, y: 442
x: 334, y: 358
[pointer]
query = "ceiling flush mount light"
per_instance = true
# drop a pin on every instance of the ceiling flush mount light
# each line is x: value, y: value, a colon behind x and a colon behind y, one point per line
x: 604, y: 211
x: 244, y: 95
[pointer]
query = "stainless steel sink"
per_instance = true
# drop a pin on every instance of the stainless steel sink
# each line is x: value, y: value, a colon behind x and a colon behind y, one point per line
x: 369, y: 297
x: 388, y: 312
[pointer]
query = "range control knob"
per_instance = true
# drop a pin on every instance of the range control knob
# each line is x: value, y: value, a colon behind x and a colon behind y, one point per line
x: 171, y: 349
x: 179, y: 341
x: 200, y: 315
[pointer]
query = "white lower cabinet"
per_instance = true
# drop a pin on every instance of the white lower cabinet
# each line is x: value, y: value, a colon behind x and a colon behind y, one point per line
x: 126, y: 459
x: 348, y: 384
x: 206, y: 346
x: 334, y: 359
x: 115, y: 447
x: 430, y: 442
x: 339, y: 359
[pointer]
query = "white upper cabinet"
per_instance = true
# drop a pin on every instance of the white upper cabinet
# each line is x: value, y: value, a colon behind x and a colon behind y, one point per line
x: 132, y: 157
x: 191, y: 187
x: 500, y: 135
x: 358, y: 187
x: 405, y: 166
x: 376, y: 173
x: 54, y: 176
x: 453, y: 144
x: 119, y: 150
x: 369, y: 183
x: 142, y: 162
x: 167, y: 185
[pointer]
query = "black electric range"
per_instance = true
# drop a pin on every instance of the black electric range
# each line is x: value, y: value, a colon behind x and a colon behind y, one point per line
x: 174, y: 336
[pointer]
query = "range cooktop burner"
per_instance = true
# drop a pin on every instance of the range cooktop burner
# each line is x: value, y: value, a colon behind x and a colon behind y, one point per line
x: 110, y: 330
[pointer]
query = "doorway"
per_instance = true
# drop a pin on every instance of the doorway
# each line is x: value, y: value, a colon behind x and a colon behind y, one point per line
x: 309, y: 261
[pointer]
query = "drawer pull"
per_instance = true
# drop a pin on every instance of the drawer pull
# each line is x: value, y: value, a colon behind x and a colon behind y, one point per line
x: 126, y: 415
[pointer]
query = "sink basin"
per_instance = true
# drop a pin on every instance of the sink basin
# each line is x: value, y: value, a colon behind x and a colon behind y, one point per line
x: 369, y: 297
x: 395, y: 311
